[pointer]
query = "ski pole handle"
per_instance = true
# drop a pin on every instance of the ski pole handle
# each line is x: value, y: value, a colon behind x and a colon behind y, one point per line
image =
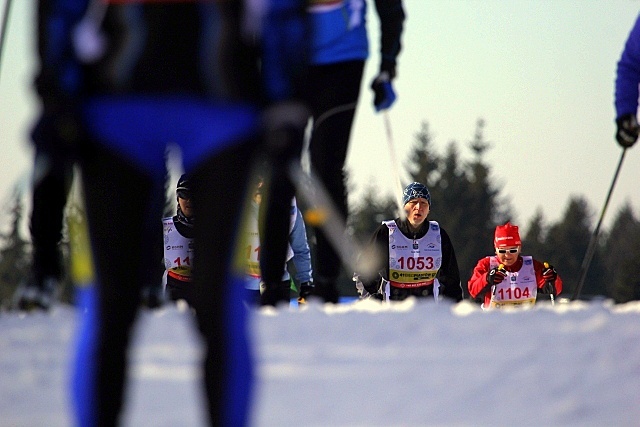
x: 493, y: 288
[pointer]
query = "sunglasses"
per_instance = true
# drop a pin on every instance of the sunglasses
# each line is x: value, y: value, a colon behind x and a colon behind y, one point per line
x: 184, y: 194
x: 511, y: 251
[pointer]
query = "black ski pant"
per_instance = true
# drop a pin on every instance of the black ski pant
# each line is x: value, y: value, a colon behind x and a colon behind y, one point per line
x: 52, y: 178
x: 124, y: 220
x: 333, y: 95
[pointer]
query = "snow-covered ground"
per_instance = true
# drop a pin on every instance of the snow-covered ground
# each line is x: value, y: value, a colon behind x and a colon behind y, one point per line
x: 363, y: 364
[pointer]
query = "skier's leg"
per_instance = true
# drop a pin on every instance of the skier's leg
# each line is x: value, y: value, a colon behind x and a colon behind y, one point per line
x: 117, y: 197
x: 282, y: 150
x: 52, y: 177
x: 219, y: 196
x: 335, y: 90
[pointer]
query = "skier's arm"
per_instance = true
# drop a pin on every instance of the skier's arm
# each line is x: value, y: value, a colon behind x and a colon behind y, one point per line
x: 538, y: 267
x: 628, y: 74
x: 449, y: 274
x: 301, y: 253
x: 284, y: 46
x: 60, y: 75
x: 478, y: 285
x: 391, y: 15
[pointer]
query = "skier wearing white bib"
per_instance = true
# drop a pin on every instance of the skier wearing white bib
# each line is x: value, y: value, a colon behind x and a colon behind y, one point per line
x: 178, y: 245
x: 510, y: 279
x: 415, y: 256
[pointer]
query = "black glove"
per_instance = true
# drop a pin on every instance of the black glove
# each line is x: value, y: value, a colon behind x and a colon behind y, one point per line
x: 549, y: 274
x: 496, y: 275
x: 628, y: 129
x: 384, y: 95
x: 306, y: 289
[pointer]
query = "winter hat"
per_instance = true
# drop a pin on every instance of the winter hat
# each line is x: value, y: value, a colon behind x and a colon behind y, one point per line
x: 507, y: 235
x: 184, y: 187
x: 415, y: 190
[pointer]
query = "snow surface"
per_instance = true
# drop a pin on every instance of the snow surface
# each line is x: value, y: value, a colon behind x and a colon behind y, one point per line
x: 364, y: 364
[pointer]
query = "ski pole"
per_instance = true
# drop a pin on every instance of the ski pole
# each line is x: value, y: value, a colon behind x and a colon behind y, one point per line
x: 553, y: 288
x: 394, y: 162
x: 323, y: 213
x: 502, y: 270
x: 594, y: 237
x: 3, y: 30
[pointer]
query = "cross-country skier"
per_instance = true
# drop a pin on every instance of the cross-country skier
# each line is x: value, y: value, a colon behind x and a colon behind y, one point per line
x: 178, y: 245
x: 132, y: 76
x: 414, y: 257
x: 628, y: 78
x: 338, y: 53
x: 509, y: 279
x: 298, y: 253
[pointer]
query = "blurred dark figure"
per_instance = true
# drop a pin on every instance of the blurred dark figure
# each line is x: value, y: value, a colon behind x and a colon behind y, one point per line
x: 338, y: 53
x: 123, y: 79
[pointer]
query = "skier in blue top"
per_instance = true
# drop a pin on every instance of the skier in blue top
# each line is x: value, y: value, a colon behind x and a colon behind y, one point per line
x: 338, y: 53
x: 122, y: 78
x: 627, y: 80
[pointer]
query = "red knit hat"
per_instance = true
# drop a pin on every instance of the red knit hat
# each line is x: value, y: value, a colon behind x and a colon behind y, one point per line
x: 506, y: 235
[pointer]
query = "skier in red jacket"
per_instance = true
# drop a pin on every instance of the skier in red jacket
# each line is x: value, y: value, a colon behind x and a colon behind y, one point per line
x: 510, y: 279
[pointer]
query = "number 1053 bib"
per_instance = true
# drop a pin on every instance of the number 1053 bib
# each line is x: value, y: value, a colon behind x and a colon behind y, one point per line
x: 414, y: 263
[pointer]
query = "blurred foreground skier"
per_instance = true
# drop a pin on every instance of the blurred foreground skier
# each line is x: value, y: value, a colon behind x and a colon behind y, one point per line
x: 128, y: 77
x: 339, y: 48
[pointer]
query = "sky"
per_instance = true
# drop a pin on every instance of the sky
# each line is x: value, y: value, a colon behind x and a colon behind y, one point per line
x: 540, y: 73
x: 362, y: 364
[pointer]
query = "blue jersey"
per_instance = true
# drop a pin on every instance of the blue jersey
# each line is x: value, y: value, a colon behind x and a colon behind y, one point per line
x: 339, y: 31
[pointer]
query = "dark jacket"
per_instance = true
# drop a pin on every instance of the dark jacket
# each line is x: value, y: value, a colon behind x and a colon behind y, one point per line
x: 448, y: 275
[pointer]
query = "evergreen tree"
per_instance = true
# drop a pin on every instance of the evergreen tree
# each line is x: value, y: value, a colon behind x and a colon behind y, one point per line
x: 14, y: 257
x: 369, y: 212
x: 621, y: 257
x: 534, y: 241
x: 567, y: 242
x: 465, y: 201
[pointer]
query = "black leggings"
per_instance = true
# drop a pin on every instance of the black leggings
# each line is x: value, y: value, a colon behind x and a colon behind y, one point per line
x: 333, y: 96
x: 124, y: 221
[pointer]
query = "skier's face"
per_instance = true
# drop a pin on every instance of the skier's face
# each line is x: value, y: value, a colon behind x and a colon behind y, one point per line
x: 509, y: 255
x: 417, y: 211
x: 185, y: 206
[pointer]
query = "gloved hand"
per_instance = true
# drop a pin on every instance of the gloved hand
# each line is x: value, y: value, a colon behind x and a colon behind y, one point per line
x: 496, y: 275
x: 306, y: 289
x: 284, y: 124
x: 384, y: 95
x: 628, y: 130
x: 549, y: 274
